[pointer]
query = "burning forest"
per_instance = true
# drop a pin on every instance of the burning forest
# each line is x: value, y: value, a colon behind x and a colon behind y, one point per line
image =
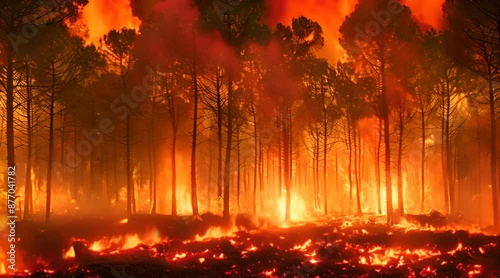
x: 249, y: 138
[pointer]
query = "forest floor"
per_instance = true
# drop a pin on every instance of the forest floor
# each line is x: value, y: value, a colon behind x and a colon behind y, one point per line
x: 166, y: 246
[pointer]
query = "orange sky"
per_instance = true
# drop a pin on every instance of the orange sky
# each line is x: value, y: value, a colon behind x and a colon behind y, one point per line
x: 428, y: 12
x: 104, y: 15
x: 331, y: 13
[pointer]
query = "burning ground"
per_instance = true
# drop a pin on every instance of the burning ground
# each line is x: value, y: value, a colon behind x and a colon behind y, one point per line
x: 163, y: 246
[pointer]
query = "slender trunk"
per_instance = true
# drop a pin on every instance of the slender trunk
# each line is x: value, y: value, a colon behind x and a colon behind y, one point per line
x: 28, y: 187
x: 349, y: 167
x: 357, y: 161
x: 91, y: 157
x: 422, y: 162
x: 443, y: 152
x: 325, y: 147
x: 316, y: 173
x: 280, y: 161
x: 115, y: 169
x: 227, y: 167
x: 337, y: 189
x: 261, y: 173
x: 150, y: 159
x: 51, y: 145
x: 219, y: 136
x: 75, y: 169
x: 130, y: 189
x: 270, y: 166
x: 377, y: 166
x: 173, y: 123
x: 493, y: 163
x: 400, y: 164
x: 238, y: 178
x: 449, y: 153
x: 62, y: 126
x: 290, y: 142
x: 478, y: 180
x: 387, y: 143
x: 255, y: 161
x: 194, y: 142
x: 210, y: 165
x: 174, y: 173
x: 153, y: 158
x: 286, y: 161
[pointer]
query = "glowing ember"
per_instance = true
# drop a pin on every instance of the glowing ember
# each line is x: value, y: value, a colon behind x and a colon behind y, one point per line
x: 216, y: 232
x: 304, y: 246
x: 70, y: 253
x: 179, y: 256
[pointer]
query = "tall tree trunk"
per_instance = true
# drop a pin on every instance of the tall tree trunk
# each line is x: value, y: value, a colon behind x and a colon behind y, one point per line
x: 280, y: 161
x: 286, y: 162
x: 227, y: 167
x: 91, y: 157
x: 325, y: 148
x: 290, y: 143
x: 75, y: 169
x: 51, y: 144
x: 316, y: 173
x: 194, y: 142
x: 174, y: 173
x: 115, y: 169
x: 62, y: 129
x: 349, y: 165
x: 173, y: 124
x: 153, y: 169
x: 443, y: 152
x: 400, y: 163
x: 255, y: 161
x: 210, y: 165
x: 130, y: 186
x: 377, y: 166
x: 28, y: 187
x: 449, y: 153
x: 219, y: 137
x: 478, y: 179
x: 493, y: 158
x: 387, y: 143
x: 422, y: 161
x: 337, y: 189
x: 238, y: 178
x: 261, y: 173
x: 357, y: 161
x: 150, y: 160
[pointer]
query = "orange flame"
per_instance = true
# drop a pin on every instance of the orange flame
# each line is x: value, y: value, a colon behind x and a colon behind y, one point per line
x: 216, y: 232
x: 101, y: 16
x: 70, y: 253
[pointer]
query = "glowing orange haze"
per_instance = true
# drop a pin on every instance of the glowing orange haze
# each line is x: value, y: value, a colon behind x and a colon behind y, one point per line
x: 103, y: 15
x: 331, y: 13
x: 427, y: 12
